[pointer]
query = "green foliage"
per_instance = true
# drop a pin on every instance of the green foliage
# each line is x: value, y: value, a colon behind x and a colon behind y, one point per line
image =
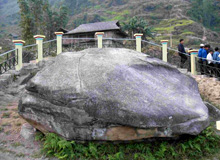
x: 6, y: 115
x: 121, y: 16
x: 78, y: 6
x: 205, y: 144
x: 167, y: 26
x: 137, y: 25
x: 38, y: 17
x: 87, y: 19
x: 206, y: 12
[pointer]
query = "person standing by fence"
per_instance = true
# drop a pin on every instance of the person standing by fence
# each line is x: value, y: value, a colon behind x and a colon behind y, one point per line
x: 204, y: 61
x: 216, y: 57
x: 182, y: 53
x: 200, y: 58
x: 211, y: 70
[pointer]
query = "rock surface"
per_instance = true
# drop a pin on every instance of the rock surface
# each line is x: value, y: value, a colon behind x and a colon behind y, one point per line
x: 209, y: 89
x: 113, y: 94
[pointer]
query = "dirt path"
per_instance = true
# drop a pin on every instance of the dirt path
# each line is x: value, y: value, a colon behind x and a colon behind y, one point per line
x: 12, y: 145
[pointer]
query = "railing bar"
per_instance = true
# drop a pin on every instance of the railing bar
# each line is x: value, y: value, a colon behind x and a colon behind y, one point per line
x: 49, y: 41
x: 30, y: 45
x: 120, y: 39
x: 81, y: 38
x: 7, y: 52
x: 7, y: 60
x: 152, y: 43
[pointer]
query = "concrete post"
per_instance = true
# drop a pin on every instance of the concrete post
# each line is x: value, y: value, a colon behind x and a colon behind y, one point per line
x: 99, y: 36
x: 39, y: 42
x: 164, y: 52
x: 138, y: 41
x: 18, y: 46
x: 193, y: 54
x: 218, y: 125
x: 59, y: 42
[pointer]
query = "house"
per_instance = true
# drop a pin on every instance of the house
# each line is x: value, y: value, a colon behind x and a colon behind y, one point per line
x: 62, y: 30
x: 13, y: 36
x: 112, y: 29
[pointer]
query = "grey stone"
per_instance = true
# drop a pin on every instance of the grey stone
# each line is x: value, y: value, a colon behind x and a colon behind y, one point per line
x: 28, y: 132
x: 45, y: 62
x: 214, y: 112
x: 99, y: 93
x: 28, y: 68
x: 5, y: 80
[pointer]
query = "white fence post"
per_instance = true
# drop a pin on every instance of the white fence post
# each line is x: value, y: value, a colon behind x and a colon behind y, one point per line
x: 18, y: 46
x: 39, y: 42
x: 138, y: 41
x: 59, y: 42
x: 164, y: 52
x: 100, y: 37
x: 193, y: 54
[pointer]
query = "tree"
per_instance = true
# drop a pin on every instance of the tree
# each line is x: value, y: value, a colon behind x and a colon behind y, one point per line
x: 38, y: 17
x: 26, y: 21
x: 137, y: 25
x: 206, y: 12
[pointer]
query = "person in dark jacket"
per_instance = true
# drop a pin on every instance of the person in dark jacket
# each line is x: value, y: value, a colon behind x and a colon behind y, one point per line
x: 200, y: 58
x: 182, y: 53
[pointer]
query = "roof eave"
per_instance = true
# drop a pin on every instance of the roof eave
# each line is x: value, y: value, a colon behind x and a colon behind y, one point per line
x: 93, y: 31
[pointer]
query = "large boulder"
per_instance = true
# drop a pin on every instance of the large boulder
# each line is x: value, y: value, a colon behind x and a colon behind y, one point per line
x: 113, y: 94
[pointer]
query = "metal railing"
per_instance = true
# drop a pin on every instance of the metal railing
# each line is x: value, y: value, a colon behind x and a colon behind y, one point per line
x: 50, y: 48
x: 174, y: 57
x: 8, y: 61
x: 209, y: 68
x: 179, y: 59
x: 29, y: 53
x: 152, y: 49
x: 78, y: 44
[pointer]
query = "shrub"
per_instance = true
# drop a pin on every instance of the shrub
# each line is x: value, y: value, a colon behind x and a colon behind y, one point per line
x: 190, y: 147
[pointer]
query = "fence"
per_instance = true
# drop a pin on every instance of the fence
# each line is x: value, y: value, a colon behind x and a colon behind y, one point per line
x: 8, y: 61
x: 29, y: 53
x: 36, y: 52
x: 209, y: 68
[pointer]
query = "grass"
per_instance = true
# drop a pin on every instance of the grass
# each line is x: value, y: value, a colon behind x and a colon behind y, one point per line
x: 16, y: 144
x: 4, y: 109
x: 189, y: 147
x: 121, y: 16
x: 8, y: 133
x: 18, y: 124
x: 1, y: 129
x: 167, y: 26
x: 6, y: 115
x: 36, y: 155
x: 6, y: 124
x: 187, y: 33
x: 15, y: 117
x: 20, y: 155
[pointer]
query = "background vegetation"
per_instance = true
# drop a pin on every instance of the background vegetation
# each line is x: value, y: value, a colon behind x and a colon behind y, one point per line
x: 192, y: 148
x: 46, y: 23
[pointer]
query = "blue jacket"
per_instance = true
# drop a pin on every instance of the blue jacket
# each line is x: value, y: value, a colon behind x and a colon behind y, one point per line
x: 204, y: 55
x: 200, y: 52
x: 216, y: 56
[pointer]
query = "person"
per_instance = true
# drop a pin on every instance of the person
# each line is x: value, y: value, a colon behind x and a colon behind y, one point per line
x: 204, y: 61
x: 200, y: 58
x: 182, y: 53
x: 216, y: 57
x: 210, y: 62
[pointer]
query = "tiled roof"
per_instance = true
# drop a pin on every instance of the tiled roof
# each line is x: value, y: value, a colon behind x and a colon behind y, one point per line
x: 94, y: 27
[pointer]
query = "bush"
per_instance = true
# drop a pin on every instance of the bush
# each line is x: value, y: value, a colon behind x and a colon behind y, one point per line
x: 192, y: 147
